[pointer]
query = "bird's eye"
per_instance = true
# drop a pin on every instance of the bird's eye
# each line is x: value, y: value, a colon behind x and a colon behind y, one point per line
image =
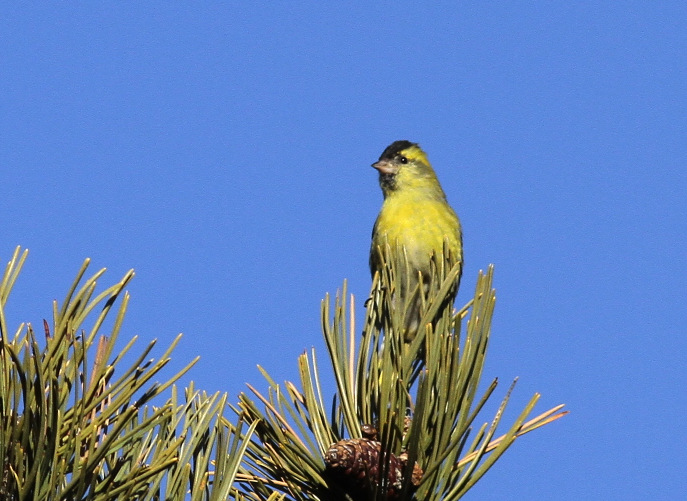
x: 403, y: 159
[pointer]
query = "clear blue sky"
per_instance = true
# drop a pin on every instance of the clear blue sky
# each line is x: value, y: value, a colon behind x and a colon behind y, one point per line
x: 224, y: 153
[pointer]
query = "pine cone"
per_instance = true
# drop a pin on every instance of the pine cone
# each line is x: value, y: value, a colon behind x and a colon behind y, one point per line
x: 417, y: 474
x: 356, y: 464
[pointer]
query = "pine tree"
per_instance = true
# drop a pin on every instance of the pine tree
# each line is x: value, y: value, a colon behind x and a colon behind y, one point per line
x: 403, y: 423
x: 78, y: 422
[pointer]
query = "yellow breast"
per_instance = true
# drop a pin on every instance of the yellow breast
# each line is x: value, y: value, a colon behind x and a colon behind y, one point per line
x: 420, y: 225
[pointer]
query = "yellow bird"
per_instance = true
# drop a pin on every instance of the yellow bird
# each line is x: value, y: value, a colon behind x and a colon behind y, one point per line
x: 415, y: 216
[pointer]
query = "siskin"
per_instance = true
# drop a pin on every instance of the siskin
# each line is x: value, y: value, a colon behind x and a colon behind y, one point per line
x: 414, y: 217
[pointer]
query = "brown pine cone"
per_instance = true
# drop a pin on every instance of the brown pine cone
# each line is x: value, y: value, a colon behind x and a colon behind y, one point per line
x: 356, y: 464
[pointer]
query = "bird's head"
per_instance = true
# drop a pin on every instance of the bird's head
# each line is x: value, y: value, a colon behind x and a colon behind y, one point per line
x: 404, y: 166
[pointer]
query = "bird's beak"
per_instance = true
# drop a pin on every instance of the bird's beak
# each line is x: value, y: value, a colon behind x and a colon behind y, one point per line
x: 384, y: 167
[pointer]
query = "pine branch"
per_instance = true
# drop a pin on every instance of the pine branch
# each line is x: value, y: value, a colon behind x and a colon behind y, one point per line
x: 400, y: 423
x: 77, y: 424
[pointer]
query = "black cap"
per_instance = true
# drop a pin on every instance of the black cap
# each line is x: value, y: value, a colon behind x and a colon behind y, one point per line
x: 395, y: 148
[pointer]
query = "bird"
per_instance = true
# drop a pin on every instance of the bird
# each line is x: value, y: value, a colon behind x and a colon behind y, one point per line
x: 415, y: 218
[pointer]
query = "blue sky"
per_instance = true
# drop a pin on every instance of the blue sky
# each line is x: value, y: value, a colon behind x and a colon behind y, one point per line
x: 223, y: 152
